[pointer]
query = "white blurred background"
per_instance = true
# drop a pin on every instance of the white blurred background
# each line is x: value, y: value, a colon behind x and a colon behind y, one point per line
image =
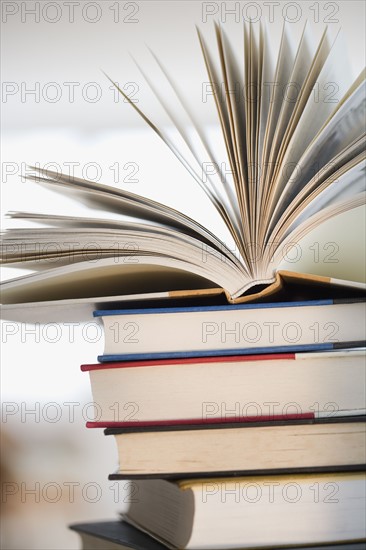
x: 58, y: 108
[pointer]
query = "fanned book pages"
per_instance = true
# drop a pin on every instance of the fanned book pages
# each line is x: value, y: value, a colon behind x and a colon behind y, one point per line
x: 296, y: 160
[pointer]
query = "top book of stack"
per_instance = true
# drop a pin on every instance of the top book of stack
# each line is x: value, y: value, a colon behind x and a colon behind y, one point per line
x: 296, y: 160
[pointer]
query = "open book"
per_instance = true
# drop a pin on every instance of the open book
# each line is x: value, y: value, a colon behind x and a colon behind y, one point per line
x: 295, y: 142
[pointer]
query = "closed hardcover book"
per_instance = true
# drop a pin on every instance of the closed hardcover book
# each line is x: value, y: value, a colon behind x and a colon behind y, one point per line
x: 256, y: 512
x: 231, y: 329
x: 213, y: 389
x: 120, y: 535
x: 240, y: 448
x: 116, y: 535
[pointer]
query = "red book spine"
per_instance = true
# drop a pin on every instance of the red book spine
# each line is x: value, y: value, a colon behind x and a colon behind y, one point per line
x: 189, y: 361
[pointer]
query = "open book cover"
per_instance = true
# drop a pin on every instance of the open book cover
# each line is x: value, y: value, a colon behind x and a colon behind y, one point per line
x: 296, y: 159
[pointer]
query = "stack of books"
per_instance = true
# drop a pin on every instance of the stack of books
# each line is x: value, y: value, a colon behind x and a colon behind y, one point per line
x: 235, y: 391
x: 230, y: 449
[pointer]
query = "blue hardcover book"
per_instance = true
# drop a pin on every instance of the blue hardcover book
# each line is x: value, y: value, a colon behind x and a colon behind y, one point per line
x: 282, y: 327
